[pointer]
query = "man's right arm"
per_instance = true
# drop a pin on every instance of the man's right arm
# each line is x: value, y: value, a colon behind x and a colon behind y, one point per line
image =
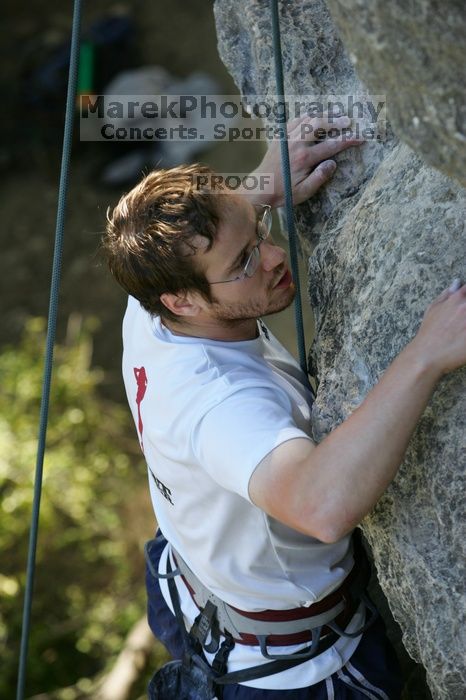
x: 326, y: 490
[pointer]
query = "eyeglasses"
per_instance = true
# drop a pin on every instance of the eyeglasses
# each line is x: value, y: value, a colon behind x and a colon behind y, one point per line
x: 263, y: 228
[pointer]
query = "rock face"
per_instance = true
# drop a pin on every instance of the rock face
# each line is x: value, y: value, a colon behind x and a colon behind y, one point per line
x: 388, y: 234
x: 415, y: 52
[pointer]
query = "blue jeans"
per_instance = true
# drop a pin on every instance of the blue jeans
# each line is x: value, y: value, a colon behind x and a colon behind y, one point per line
x: 372, y: 672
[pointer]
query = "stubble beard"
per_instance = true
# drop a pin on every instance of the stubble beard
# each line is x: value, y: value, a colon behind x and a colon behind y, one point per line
x: 231, y: 314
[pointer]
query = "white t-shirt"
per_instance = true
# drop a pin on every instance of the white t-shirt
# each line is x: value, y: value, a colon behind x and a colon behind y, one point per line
x: 207, y: 413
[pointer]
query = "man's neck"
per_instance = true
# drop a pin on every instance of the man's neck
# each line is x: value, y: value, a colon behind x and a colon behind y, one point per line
x: 226, y: 331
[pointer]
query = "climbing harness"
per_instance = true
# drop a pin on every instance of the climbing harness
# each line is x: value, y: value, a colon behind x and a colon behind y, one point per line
x: 321, y: 623
x: 277, y: 627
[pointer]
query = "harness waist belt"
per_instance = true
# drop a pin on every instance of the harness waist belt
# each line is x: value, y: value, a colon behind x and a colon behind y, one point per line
x: 282, y: 627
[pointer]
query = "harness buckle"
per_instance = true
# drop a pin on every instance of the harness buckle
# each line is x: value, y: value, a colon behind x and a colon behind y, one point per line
x: 204, y: 623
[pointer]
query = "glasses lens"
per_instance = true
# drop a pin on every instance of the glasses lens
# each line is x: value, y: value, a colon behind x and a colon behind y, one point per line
x: 264, y: 225
x: 252, y: 263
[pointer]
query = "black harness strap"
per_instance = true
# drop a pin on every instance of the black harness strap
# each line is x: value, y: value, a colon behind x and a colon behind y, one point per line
x: 268, y: 669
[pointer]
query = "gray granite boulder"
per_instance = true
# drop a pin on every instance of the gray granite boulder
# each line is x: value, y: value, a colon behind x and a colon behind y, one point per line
x: 386, y: 236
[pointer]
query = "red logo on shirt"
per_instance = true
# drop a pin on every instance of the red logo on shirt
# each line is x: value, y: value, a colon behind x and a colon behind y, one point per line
x: 141, y: 380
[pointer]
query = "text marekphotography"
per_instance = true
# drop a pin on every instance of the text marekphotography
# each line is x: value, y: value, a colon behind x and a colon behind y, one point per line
x: 228, y: 117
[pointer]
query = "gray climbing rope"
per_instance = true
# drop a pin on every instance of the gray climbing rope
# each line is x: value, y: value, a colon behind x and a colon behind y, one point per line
x: 286, y: 174
x: 51, y: 330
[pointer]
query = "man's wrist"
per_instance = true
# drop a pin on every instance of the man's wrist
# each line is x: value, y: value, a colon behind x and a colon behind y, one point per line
x: 423, y: 367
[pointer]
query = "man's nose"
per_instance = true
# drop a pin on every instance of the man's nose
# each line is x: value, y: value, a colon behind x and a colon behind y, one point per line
x: 271, y: 255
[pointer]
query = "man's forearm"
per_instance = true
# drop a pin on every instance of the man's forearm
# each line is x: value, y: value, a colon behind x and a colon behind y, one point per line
x: 357, y: 461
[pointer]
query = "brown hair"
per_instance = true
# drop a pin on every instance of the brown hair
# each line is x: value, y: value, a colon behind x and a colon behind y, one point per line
x: 148, y: 241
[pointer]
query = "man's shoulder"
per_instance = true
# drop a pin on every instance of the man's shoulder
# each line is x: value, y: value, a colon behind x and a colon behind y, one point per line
x: 191, y: 365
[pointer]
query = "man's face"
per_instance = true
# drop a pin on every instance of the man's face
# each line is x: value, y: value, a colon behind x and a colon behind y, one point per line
x: 269, y: 290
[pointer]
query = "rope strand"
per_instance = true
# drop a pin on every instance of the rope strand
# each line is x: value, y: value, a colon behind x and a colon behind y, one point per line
x: 51, y: 330
x: 286, y: 174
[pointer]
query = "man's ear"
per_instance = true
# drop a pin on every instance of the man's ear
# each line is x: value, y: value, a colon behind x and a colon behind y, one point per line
x: 183, y: 304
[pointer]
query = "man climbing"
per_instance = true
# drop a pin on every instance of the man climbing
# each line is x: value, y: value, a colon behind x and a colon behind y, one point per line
x: 258, y: 518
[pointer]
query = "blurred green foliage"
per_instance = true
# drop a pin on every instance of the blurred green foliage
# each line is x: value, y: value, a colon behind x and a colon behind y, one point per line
x: 89, y: 577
